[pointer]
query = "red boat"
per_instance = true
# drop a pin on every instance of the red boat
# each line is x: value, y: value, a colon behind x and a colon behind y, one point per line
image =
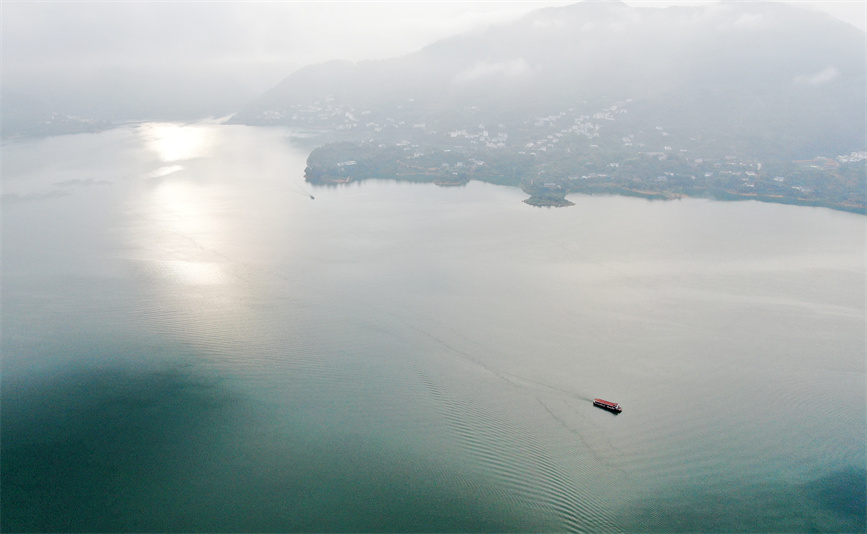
x: 613, y: 406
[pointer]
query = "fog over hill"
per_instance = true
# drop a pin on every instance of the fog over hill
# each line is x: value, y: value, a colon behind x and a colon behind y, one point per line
x: 752, y: 79
x: 72, y: 67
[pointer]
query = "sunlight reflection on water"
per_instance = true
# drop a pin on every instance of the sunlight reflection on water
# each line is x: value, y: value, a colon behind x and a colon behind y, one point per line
x: 194, y: 272
x: 165, y: 171
x: 174, y: 142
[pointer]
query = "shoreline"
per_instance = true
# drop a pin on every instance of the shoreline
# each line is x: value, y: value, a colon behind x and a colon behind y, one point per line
x: 558, y: 199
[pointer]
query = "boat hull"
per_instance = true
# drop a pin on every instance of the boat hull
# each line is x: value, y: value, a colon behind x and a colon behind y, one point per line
x: 606, y: 405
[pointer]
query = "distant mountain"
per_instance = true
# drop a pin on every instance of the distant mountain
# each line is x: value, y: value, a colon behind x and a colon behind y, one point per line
x: 751, y: 79
x: 63, y: 104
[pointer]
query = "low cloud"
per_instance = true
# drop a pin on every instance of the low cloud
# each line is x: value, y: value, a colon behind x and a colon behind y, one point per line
x: 820, y: 77
x: 512, y: 69
x: 750, y: 21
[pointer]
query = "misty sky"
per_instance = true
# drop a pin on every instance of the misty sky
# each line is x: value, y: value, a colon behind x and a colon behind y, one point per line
x: 259, y: 42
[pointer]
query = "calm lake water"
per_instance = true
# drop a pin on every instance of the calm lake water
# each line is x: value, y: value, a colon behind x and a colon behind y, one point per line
x: 191, y: 342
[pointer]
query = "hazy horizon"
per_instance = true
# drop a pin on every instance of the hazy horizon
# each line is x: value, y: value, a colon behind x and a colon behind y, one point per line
x: 229, y: 53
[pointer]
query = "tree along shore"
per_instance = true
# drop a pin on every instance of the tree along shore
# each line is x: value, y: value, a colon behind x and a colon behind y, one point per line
x: 819, y: 182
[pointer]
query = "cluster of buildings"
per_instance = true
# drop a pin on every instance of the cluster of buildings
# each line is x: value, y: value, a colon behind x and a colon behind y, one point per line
x: 566, y: 136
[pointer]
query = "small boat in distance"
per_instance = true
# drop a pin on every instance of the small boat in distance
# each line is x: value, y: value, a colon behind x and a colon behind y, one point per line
x: 613, y: 406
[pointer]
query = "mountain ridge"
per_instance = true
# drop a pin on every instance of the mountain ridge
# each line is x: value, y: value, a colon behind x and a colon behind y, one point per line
x: 737, y: 72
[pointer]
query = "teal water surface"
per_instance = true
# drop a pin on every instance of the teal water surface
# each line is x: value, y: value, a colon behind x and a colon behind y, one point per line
x: 194, y: 339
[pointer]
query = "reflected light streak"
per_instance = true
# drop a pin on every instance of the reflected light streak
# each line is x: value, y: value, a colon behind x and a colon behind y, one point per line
x: 165, y: 171
x: 182, y: 241
x: 199, y: 233
x: 175, y: 142
x: 193, y: 273
x: 180, y: 208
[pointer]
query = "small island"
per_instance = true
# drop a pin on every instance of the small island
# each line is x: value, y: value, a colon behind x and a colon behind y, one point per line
x: 549, y: 201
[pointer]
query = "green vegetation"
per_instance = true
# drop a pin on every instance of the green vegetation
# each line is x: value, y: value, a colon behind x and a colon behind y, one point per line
x: 551, y: 175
